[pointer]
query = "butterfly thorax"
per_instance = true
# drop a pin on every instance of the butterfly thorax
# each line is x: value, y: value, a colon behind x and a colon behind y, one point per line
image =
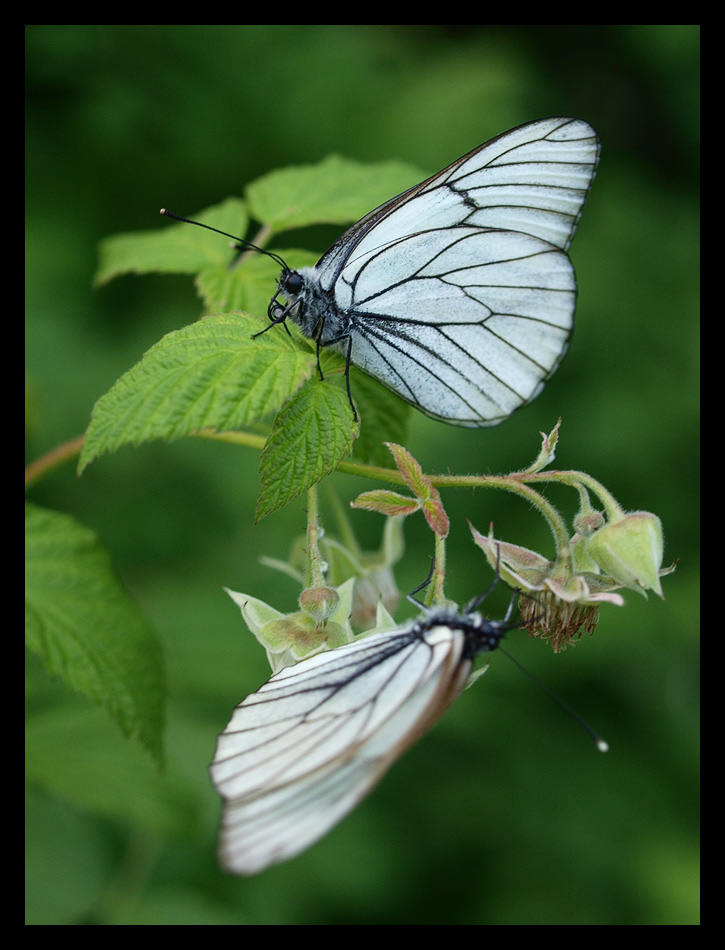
x: 481, y: 635
x: 311, y: 307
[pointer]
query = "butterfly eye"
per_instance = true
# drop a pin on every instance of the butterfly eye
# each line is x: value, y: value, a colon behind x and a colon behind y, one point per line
x: 292, y: 283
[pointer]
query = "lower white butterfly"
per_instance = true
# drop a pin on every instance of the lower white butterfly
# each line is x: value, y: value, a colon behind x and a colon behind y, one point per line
x: 302, y: 751
x: 458, y: 294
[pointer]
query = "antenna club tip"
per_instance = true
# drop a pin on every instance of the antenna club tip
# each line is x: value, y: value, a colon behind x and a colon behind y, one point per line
x: 162, y: 211
x: 602, y: 745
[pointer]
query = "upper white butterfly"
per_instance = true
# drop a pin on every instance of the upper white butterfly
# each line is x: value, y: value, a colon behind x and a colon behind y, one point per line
x: 458, y: 295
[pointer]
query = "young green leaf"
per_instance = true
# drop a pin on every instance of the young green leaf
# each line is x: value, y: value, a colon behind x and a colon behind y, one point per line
x: 312, y: 434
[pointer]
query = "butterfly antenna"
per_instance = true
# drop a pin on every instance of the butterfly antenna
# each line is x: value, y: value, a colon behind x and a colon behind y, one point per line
x: 477, y: 601
x: 470, y: 607
x: 426, y: 582
x: 347, y: 383
x: 240, y: 242
x: 598, y: 741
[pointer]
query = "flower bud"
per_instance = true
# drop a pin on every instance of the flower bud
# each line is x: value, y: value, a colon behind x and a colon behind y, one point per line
x: 319, y: 603
x: 289, y: 638
x: 296, y: 636
x: 630, y: 551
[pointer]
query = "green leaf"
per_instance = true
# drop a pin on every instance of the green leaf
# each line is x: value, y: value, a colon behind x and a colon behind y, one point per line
x: 211, y: 374
x: 179, y: 249
x: 312, y: 434
x: 85, y: 628
x: 335, y: 191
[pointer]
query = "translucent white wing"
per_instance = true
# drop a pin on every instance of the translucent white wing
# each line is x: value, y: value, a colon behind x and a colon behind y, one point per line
x: 475, y: 332
x: 300, y: 753
x: 458, y: 294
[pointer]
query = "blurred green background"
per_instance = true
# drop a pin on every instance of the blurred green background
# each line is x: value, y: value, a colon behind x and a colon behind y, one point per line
x: 504, y: 814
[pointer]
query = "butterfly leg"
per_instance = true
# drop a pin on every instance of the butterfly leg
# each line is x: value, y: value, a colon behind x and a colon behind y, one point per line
x: 348, y: 356
x: 347, y: 378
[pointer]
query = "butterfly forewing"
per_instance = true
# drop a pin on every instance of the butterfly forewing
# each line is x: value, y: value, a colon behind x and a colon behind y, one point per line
x: 533, y: 179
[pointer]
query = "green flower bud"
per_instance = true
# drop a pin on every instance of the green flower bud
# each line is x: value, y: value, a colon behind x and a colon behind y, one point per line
x: 630, y: 551
x: 319, y: 603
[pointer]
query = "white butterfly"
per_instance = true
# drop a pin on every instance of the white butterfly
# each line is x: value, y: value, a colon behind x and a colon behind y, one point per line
x: 458, y: 295
x: 302, y: 751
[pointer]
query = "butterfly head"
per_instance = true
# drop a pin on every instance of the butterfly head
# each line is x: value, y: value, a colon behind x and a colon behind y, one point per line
x: 290, y: 286
x: 291, y: 283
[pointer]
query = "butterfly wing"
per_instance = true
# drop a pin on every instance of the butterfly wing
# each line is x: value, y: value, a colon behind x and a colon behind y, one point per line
x: 459, y: 293
x: 300, y: 753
